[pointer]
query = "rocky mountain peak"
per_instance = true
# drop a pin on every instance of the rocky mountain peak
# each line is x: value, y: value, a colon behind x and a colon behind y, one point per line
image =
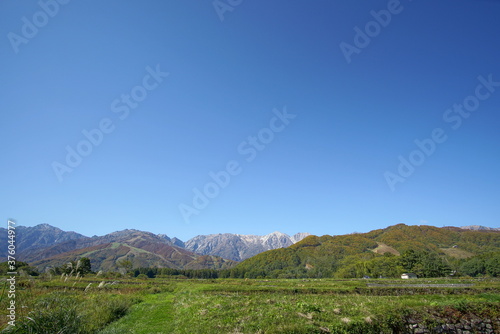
x: 239, y: 247
x: 299, y: 236
x: 480, y: 228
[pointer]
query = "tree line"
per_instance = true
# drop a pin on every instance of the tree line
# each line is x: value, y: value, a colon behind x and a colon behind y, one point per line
x: 421, y: 263
x: 288, y: 265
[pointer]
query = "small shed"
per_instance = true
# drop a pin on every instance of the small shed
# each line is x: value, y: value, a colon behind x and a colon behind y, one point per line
x: 408, y: 276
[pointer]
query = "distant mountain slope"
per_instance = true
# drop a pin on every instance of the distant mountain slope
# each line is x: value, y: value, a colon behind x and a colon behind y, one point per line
x: 53, y: 247
x: 299, y: 236
x: 173, y: 241
x: 47, y: 246
x: 107, y: 257
x: 323, y: 256
x: 480, y: 228
x: 29, y: 239
x: 239, y: 247
x: 423, y: 237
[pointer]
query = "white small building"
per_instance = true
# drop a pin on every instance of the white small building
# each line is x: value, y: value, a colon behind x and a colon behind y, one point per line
x: 408, y: 276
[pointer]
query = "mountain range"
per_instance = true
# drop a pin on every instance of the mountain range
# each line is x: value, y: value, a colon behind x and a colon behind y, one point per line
x: 480, y: 228
x: 376, y: 252
x: 239, y: 247
x: 46, y: 246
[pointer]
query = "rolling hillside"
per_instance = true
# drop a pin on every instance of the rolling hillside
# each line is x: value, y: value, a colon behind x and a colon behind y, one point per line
x: 47, y: 246
x: 107, y: 257
x: 353, y: 254
x: 384, y: 252
x: 143, y: 249
x: 32, y: 239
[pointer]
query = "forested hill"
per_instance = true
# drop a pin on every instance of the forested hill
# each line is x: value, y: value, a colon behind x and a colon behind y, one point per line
x: 426, y: 250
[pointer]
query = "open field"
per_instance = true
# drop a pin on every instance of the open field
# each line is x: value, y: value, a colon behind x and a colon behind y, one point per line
x: 163, y: 305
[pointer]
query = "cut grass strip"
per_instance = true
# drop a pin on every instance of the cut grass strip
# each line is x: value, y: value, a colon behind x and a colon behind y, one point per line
x: 153, y: 315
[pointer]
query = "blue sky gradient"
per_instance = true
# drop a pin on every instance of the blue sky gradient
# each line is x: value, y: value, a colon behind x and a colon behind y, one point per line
x: 324, y: 172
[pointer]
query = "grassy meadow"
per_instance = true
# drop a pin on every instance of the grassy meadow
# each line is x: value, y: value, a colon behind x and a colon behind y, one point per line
x: 165, y: 305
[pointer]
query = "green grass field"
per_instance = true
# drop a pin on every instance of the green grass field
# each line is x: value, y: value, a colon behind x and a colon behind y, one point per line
x: 160, y: 305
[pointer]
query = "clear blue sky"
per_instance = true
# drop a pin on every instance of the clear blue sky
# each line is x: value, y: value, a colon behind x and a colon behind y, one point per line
x: 325, y: 172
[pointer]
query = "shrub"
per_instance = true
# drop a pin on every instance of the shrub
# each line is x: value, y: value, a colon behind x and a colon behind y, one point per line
x: 54, y: 313
x: 67, y: 313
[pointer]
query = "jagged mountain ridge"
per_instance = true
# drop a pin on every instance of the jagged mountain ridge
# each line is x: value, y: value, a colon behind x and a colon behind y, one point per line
x: 238, y: 247
x: 327, y: 256
x: 30, y: 239
x: 143, y: 249
x: 53, y: 247
x: 45, y: 241
x: 299, y: 236
x: 480, y: 228
x: 45, y: 246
